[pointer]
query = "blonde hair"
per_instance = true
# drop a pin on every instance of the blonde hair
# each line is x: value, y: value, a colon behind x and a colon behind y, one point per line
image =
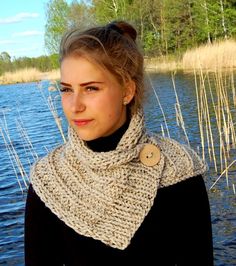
x: 113, y: 47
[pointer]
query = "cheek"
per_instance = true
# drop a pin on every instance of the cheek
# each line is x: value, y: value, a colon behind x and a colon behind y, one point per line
x: 111, y: 105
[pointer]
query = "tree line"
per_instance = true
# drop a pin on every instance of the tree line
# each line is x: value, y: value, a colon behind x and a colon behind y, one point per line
x: 43, y: 63
x: 165, y: 27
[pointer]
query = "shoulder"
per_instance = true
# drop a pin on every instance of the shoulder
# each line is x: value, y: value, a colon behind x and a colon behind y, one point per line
x: 182, y: 162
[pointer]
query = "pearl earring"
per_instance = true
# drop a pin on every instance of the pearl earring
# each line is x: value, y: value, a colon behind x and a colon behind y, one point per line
x: 125, y: 102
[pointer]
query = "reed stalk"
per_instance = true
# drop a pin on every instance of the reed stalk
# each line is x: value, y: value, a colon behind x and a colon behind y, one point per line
x: 223, y: 116
x: 179, y: 116
x: 199, y: 110
x: 223, y: 172
x: 52, y: 108
x: 162, y: 111
x: 14, y: 158
x: 233, y: 87
x: 10, y: 155
x: 56, y: 117
x: 12, y: 152
x: 215, y: 111
x: 26, y: 142
x: 207, y: 126
x: 28, y: 146
x: 210, y: 139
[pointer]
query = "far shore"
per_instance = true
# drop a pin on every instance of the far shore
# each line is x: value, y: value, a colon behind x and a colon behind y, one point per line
x: 219, y: 56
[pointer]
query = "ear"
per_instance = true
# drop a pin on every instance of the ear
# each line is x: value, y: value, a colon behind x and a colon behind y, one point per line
x: 129, y: 91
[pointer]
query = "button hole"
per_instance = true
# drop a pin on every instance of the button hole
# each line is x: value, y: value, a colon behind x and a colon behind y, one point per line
x: 150, y: 155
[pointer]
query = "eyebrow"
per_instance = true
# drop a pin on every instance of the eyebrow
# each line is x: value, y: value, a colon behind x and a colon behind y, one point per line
x: 81, y: 84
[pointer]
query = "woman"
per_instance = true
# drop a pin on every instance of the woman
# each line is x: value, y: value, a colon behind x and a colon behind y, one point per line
x: 114, y: 195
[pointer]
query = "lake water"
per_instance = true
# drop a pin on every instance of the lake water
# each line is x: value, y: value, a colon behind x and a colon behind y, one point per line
x: 24, y: 116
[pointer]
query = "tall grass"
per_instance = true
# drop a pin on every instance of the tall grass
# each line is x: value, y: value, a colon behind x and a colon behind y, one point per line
x: 216, y: 119
x: 222, y: 112
x: 213, y: 66
x: 51, y: 104
x: 51, y: 75
x: 28, y: 75
x: 30, y: 154
x: 162, y: 64
x: 218, y: 55
x: 21, y: 76
x: 14, y: 158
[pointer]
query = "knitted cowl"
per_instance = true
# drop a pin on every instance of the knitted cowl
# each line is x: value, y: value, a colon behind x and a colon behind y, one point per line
x: 106, y: 195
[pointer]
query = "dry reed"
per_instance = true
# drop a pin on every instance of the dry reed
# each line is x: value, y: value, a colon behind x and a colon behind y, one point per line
x: 161, y: 64
x: 178, y: 111
x: 218, y: 55
x: 51, y: 104
x: 162, y: 111
x: 52, y: 75
x: 222, y: 114
x: 28, y: 75
x: 13, y: 155
x: 21, y: 76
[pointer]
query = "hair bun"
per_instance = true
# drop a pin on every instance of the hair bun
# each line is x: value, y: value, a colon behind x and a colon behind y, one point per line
x: 126, y: 29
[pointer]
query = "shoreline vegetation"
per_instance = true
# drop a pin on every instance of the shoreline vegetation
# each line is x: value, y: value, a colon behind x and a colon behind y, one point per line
x: 210, y: 57
x: 213, y: 57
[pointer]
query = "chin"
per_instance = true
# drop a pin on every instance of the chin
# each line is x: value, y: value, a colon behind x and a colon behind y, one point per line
x: 90, y: 134
x: 87, y: 137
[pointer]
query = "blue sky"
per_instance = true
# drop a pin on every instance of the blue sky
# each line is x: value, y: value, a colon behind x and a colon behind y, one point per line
x: 22, y: 24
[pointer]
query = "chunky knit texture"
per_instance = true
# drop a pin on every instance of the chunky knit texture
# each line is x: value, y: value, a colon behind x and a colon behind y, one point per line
x: 106, y: 195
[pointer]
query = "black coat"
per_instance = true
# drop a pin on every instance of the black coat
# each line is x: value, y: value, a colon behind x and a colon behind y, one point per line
x: 176, y: 231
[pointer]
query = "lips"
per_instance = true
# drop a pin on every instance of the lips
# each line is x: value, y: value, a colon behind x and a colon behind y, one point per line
x: 82, y: 122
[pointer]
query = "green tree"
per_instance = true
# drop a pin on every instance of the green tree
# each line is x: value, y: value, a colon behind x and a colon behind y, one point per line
x: 62, y: 17
x: 108, y: 10
x: 57, y: 12
x: 179, y: 27
x: 230, y: 15
x: 54, y: 61
x: 202, y: 10
x: 80, y: 15
x: 5, y: 62
x: 5, y: 57
x: 218, y: 21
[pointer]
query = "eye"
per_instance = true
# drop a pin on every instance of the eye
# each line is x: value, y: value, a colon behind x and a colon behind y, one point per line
x: 65, y: 89
x: 91, y: 88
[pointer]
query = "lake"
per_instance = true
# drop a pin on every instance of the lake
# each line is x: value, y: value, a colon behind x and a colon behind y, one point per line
x: 28, y: 126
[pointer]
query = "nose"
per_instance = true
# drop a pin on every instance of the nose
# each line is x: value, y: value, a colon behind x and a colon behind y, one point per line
x: 77, y: 103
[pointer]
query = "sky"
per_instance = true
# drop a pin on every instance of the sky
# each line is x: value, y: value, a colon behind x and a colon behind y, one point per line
x: 22, y: 26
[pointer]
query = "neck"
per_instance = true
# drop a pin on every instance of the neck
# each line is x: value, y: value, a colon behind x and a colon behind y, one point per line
x: 108, y: 143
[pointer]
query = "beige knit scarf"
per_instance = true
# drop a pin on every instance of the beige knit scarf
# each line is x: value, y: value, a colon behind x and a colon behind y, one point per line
x: 106, y: 195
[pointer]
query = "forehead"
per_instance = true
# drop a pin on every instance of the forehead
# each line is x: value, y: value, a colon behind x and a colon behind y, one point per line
x: 81, y: 70
x: 81, y: 66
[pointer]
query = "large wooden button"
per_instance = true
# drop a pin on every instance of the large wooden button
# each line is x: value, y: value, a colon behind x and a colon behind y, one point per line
x: 150, y: 155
